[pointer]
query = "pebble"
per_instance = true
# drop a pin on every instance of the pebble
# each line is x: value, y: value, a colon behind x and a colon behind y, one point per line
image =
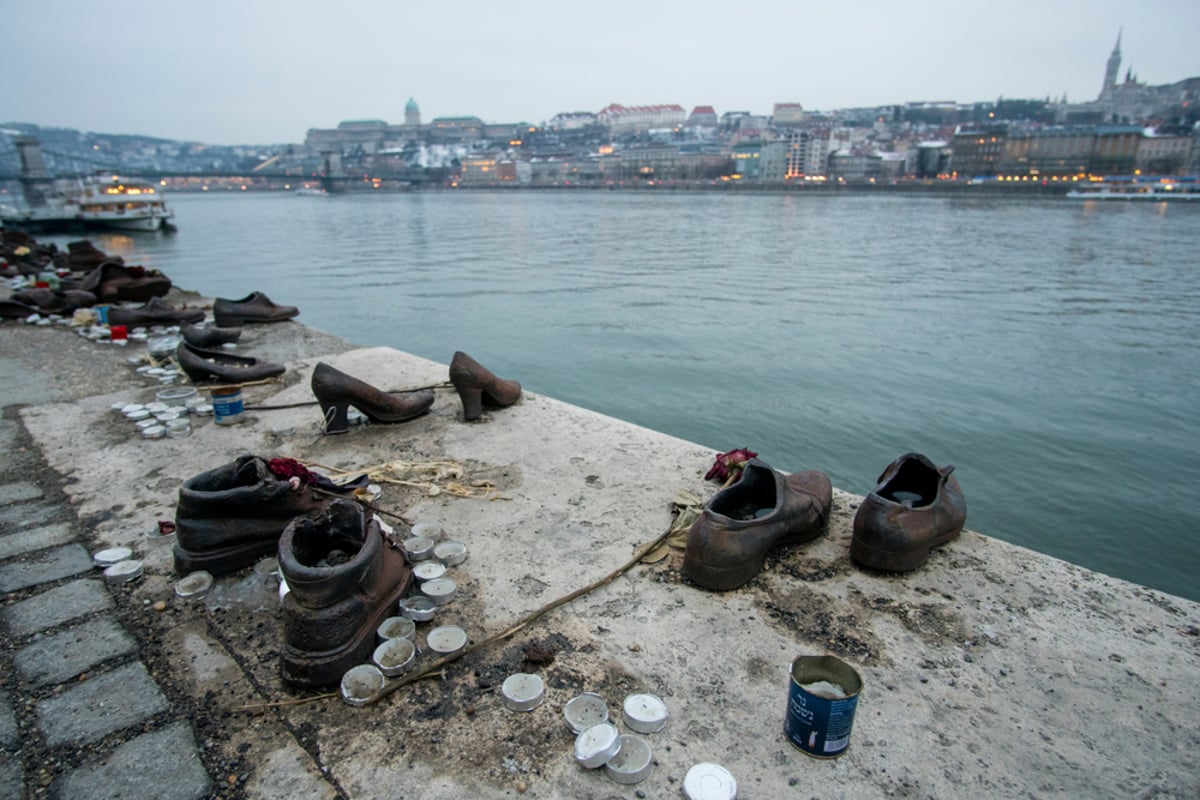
x: 161, y: 605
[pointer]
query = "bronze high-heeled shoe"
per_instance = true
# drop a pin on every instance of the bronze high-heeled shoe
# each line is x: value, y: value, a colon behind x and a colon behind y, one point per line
x: 477, y: 385
x: 336, y: 391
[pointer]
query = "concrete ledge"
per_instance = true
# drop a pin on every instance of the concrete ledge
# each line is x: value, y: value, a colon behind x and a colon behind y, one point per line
x: 991, y: 670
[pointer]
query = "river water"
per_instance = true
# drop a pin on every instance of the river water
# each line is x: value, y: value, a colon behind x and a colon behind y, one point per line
x: 1048, y: 348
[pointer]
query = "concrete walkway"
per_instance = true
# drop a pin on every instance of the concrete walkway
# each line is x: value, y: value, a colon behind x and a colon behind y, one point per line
x: 991, y: 671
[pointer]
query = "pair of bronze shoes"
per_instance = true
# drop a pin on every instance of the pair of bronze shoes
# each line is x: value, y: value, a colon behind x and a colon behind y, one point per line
x: 476, y: 386
x: 914, y: 508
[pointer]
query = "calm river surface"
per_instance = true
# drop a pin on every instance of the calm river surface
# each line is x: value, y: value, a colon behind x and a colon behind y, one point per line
x: 1048, y: 348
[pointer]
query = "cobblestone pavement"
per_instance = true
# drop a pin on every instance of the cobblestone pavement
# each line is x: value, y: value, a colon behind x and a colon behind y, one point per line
x: 80, y: 715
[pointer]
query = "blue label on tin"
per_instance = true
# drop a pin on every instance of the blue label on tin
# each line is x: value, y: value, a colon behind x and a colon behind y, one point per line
x: 819, y: 725
x: 227, y: 406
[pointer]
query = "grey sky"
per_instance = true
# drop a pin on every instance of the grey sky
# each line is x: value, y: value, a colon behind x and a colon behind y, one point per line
x: 265, y: 71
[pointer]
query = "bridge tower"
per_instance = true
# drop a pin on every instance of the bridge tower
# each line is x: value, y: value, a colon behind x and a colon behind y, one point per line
x: 35, y: 179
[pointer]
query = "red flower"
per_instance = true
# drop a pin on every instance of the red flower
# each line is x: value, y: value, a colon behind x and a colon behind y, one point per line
x: 291, y: 468
x: 728, y: 466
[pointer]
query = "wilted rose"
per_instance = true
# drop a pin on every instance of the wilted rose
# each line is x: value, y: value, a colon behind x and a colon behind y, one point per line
x: 728, y: 466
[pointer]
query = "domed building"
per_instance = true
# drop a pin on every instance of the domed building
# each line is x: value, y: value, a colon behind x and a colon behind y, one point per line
x: 412, y: 114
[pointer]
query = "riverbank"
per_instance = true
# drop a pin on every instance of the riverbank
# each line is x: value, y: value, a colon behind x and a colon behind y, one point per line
x: 991, y: 667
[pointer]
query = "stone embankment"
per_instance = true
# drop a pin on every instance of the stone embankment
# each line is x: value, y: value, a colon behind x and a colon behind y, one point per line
x: 991, y: 671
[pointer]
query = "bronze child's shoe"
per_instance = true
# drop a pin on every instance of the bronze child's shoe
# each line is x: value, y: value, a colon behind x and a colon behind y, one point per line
x: 336, y: 391
x: 728, y: 542
x: 914, y: 508
x: 477, y: 386
x: 345, y: 577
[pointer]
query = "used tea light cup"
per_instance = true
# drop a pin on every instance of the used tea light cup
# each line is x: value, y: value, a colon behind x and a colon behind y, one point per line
x: 595, y: 746
x: 523, y: 691
x: 123, y: 572
x: 362, y: 684
x: 417, y: 608
x: 632, y: 762
x: 450, y: 553
x: 440, y: 590
x: 418, y: 548
x: 430, y: 530
x: 584, y: 711
x: 113, y: 555
x: 194, y: 584
x: 705, y: 781
x: 394, y: 656
x: 396, y: 628
x: 428, y: 570
x: 446, y: 640
x: 644, y: 713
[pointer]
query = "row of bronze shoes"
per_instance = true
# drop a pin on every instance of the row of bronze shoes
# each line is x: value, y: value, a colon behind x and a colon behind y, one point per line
x: 914, y: 507
x: 346, y: 570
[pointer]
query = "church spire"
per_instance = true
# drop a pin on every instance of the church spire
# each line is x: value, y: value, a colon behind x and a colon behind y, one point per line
x: 1112, y: 68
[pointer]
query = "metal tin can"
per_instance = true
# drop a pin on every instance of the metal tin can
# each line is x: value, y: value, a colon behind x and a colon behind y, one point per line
x: 822, y: 698
x: 227, y: 406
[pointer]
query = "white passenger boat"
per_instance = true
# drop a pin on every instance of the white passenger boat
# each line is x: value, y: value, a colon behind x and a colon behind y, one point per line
x: 1155, y: 190
x: 94, y: 203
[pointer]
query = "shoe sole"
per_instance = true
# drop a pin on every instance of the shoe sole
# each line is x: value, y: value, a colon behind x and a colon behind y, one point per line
x: 896, y: 560
x: 222, y: 562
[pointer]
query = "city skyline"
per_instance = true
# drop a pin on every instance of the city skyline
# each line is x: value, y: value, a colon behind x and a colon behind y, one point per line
x: 225, y: 73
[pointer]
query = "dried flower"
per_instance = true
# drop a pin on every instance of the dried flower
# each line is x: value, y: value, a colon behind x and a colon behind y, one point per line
x: 291, y: 468
x: 728, y: 466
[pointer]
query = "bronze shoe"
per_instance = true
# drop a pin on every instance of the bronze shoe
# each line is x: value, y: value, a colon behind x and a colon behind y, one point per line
x: 345, y: 577
x: 229, y: 517
x: 209, y: 336
x: 254, y: 307
x: 729, y: 541
x: 336, y: 391
x: 156, y: 311
x: 914, y: 508
x: 477, y: 386
x: 113, y: 281
x: 214, y: 365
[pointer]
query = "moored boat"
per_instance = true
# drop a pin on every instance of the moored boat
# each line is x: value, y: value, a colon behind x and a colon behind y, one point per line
x: 93, y: 203
x: 1137, y: 188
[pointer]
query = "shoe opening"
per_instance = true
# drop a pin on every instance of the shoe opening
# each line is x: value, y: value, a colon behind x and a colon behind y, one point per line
x: 329, y: 539
x: 752, y: 497
x: 915, y: 485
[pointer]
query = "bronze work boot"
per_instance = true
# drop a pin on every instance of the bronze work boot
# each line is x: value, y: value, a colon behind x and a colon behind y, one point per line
x: 914, y: 508
x: 477, y: 386
x: 336, y: 391
x: 345, y: 578
x: 254, y: 307
x: 729, y: 540
x: 229, y: 517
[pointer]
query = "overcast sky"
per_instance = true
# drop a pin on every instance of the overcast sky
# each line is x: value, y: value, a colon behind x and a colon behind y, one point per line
x: 265, y: 71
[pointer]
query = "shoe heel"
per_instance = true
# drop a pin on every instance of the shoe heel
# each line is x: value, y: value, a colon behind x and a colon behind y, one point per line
x: 337, y: 418
x: 472, y: 401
